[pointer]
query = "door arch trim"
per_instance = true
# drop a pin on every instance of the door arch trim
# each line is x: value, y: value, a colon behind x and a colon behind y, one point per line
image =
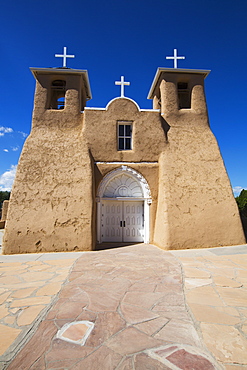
x: 130, y: 172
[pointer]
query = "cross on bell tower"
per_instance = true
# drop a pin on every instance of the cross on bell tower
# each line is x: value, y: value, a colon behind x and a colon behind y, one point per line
x: 64, y: 56
x: 175, y: 58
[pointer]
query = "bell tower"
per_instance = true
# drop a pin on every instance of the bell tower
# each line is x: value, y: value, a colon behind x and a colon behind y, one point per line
x: 196, y: 207
x: 51, y: 200
x: 179, y: 94
x: 61, y: 94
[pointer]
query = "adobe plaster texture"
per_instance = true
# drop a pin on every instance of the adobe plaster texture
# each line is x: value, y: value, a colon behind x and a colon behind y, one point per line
x: 68, y: 153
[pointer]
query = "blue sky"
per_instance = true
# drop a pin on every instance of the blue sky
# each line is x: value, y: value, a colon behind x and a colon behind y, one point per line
x: 125, y: 37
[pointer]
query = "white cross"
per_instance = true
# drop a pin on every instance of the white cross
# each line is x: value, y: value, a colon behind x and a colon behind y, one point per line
x: 64, y: 56
x: 122, y: 83
x: 175, y: 57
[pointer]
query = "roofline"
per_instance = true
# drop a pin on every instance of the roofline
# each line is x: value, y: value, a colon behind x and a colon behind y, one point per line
x: 204, y: 72
x: 81, y: 72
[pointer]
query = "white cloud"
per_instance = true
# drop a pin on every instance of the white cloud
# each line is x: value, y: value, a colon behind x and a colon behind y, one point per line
x: 7, y: 179
x: 23, y: 134
x: 5, y: 150
x: 237, y: 190
x: 14, y: 148
x: 5, y: 130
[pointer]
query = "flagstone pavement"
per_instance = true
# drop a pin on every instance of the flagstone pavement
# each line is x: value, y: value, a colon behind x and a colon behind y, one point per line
x: 135, y: 307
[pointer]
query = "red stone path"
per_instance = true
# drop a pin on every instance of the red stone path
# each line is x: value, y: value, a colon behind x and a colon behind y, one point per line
x: 134, y: 296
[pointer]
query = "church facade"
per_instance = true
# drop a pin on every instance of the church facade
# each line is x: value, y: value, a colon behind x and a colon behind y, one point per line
x: 120, y: 174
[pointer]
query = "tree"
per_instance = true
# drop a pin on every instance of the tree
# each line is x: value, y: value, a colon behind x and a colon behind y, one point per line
x: 4, y: 195
x: 242, y: 202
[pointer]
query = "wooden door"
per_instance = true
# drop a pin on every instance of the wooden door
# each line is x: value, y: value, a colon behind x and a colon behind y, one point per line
x: 122, y: 221
x: 133, y: 230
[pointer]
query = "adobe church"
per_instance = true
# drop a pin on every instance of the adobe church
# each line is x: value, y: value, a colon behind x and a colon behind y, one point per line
x: 120, y: 174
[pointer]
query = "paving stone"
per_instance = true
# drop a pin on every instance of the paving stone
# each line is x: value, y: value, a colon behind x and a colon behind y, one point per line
x: 23, y: 293
x: 235, y: 367
x: 142, y: 299
x: 233, y: 297
x: 9, y: 320
x: 196, y: 273
x: 4, y: 297
x: 142, y: 287
x: 106, y: 325
x: 7, y: 337
x: 130, y: 341
x: 126, y: 364
x: 212, y: 315
x: 103, y: 301
x: 163, y: 352
x: 204, y: 295
x: 171, y: 299
x: 3, y: 312
x: 39, y: 364
x: 41, y: 267
x: 194, y: 283
x: 39, y: 343
x: 76, y: 332
x: 49, y: 289
x: 31, y: 301
x: 152, y: 326
x: 61, y: 262
x: 179, y: 331
x: 225, y: 282
x: 229, y: 310
x: 225, y: 342
x: 187, y: 361
x: 70, y: 291
x: 35, y: 276
x: 70, y: 310
x: 228, y: 272
x: 61, y: 365
x: 135, y: 314
x: 61, y: 350
x: 242, y: 273
x: 87, y: 315
x: 144, y: 362
x: 29, y: 314
x: 102, y: 358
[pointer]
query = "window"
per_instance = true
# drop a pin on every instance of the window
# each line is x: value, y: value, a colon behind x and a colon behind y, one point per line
x: 183, y: 96
x: 124, y: 135
x: 57, y: 94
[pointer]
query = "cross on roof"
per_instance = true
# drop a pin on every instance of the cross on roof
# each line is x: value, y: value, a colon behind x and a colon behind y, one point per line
x: 64, y: 56
x: 175, y: 57
x: 122, y: 83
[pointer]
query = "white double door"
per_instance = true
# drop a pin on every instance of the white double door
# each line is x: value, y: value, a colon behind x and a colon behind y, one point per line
x: 122, y: 221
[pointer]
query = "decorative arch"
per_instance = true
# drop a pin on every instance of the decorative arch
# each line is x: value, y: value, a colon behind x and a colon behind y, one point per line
x: 123, y: 97
x: 124, y: 182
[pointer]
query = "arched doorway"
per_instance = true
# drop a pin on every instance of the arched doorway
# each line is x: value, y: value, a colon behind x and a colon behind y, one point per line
x: 123, y: 201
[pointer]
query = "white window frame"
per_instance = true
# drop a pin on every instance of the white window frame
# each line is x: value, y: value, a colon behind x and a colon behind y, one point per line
x: 124, y: 136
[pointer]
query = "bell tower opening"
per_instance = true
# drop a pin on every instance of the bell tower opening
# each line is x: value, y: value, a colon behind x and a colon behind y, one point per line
x: 57, y: 98
x: 184, y: 96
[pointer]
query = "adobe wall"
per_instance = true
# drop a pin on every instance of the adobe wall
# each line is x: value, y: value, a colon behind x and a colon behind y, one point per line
x: 196, y: 207
x: 51, y: 203
x: 100, y: 130
x: 148, y: 138
x: 4, y: 210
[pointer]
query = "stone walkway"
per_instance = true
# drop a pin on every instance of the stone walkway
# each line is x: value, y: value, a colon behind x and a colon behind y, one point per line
x: 134, y: 301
